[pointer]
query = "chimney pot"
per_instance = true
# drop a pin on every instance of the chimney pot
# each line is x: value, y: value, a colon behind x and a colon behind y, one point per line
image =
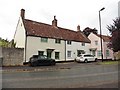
x: 22, y: 13
x: 54, y: 22
x: 78, y: 28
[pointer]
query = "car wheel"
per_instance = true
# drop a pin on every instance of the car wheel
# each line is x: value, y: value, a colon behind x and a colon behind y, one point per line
x: 75, y: 60
x: 95, y: 59
x: 53, y: 63
x: 33, y: 64
x: 86, y: 61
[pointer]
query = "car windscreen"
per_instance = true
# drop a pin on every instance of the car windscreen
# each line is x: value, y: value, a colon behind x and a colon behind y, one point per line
x: 42, y: 57
x: 79, y: 55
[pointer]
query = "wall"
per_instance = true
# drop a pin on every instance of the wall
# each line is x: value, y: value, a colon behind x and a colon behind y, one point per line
x: 34, y: 45
x: 94, y: 38
x: 19, y: 37
x: 110, y: 52
x: 74, y: 47
x: 12, y: 56
x: 117, y: 55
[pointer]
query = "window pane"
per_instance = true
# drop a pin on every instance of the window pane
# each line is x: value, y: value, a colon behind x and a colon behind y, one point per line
x: 69, y: 42
x: 107, y: 53
x: 83, y: 44
x: 88, y: 56
x: 68, y: 53
x: 41, y: 53
x: 57, y: 55
x: 57, y: 41
x: 99, y: 53
x: 44, y: 39
x: 96, y: 42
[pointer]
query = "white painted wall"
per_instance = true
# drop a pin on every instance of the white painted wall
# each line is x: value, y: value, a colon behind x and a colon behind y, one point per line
x: 74, y: 47
x: 19, y: 37
x: 34, y: 45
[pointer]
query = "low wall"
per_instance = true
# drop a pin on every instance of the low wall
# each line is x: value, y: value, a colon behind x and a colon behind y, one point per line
x: 117, y: 55
x: 11, y: 56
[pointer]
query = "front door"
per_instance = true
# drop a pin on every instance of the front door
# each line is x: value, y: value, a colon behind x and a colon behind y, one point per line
x: 93, y: 52
x: 49, y: 53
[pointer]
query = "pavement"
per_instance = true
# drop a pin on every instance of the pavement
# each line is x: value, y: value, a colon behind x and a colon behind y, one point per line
x: 58, y: 66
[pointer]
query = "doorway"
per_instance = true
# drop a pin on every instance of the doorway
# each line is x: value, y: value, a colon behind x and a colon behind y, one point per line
x: 49, y: 53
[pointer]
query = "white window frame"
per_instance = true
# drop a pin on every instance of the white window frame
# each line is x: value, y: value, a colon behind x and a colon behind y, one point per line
x: 69, y: 53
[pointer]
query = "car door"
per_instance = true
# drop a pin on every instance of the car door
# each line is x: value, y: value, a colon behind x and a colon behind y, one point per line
x: 45, y: 60
x: 91, y: 57
x: 86, y: 57
x: 41, y: 60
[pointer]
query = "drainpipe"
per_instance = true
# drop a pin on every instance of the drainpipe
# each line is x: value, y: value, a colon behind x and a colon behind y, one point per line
x: 65, y: 50
x: 25, y: 44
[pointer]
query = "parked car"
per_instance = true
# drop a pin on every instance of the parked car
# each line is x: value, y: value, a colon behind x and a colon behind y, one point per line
x: 85, y: 58
x: 37, y: 60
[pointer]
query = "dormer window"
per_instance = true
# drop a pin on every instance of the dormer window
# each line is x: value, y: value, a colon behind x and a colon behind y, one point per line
x: 44, y: 39
x: 83, y: 44
x: 58, y: 41
x: 69, y: 42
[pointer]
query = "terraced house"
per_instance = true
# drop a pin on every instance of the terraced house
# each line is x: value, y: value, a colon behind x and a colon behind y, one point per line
x: 95, y: 47
x: 58, y: 43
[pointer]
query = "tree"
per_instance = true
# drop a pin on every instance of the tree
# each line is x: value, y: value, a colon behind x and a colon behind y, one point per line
x: 6, y: 43
x: 12, y: 44
x: 88, y: 30
x: 115, y: 32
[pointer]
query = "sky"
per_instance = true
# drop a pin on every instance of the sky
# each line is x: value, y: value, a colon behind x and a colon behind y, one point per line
x: 69, y: 14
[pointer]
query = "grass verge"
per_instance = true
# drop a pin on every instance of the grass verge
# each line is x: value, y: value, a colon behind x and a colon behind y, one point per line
x: 108, y: 62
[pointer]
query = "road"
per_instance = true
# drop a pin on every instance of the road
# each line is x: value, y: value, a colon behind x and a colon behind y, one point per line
x: 72, y: 76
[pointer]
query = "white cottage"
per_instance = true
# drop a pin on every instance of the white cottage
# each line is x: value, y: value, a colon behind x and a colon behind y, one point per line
x: 58, y: 43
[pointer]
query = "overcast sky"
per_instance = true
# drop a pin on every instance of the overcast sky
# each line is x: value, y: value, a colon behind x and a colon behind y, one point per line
x: 69, y: 13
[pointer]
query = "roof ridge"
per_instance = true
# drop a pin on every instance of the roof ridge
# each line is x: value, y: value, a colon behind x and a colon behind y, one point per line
x: 37, y: 22
x: 51, y: 25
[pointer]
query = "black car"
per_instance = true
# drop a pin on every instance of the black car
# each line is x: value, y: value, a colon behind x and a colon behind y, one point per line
x: 37, y: 60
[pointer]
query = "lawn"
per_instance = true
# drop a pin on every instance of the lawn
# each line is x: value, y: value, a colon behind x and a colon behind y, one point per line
x: 108, y: 62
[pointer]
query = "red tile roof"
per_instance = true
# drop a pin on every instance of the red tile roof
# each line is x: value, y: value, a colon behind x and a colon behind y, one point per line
x: 105, y: 38
x: 39, y: 29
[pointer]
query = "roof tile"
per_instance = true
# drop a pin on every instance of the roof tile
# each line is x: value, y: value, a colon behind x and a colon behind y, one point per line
x: 39, y: 29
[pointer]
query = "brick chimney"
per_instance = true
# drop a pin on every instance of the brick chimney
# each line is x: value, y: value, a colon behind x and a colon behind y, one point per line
x: 22, y: 13
x: 54, y: 22
x: 78, y: 28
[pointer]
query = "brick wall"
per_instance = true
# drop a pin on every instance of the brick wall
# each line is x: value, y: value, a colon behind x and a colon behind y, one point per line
x: 12, y: 56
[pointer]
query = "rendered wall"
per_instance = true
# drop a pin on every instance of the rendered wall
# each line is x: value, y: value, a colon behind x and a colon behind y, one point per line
x: 34, y: 45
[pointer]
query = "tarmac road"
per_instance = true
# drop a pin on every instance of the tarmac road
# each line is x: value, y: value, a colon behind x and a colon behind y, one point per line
x: 63, y: 75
